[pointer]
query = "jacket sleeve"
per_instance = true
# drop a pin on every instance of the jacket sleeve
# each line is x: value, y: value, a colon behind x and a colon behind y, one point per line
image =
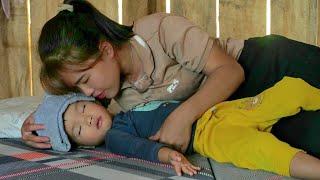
x: 126, y: 144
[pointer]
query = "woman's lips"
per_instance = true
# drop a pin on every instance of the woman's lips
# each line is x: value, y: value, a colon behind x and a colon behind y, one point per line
x: 102, y: 95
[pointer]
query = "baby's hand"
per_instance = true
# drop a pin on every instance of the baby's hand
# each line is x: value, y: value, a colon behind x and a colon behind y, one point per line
x: 181, y: 164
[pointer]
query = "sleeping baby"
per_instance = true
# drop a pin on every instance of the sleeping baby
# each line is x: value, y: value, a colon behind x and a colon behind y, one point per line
x: 233, y: 131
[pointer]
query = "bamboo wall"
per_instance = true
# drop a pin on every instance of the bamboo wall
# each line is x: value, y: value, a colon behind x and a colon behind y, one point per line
x: 19, y: 61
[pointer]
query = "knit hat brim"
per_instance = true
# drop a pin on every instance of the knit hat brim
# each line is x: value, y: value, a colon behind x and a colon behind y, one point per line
x: 50, y: 113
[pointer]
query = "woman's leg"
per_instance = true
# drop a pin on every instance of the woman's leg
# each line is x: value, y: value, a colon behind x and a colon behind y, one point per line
x: 265, y: 61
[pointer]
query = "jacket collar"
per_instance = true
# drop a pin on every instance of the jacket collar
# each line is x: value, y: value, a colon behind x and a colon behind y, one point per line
x: 147, y: 60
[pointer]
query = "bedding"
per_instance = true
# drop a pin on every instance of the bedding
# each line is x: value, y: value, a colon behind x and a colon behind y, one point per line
x: 19, y: 161
x: 13, y: 112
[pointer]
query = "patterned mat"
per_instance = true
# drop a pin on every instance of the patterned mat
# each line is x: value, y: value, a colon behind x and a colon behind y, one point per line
x: 17, y: 161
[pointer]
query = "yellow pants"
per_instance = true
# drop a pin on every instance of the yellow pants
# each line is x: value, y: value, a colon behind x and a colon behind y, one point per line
x: 238, y: 131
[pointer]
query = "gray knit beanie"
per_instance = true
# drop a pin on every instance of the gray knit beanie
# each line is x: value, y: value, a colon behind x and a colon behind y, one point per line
x: 50, y: 113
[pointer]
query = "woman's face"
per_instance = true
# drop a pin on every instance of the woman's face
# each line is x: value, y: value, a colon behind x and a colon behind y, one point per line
x: 97, y: 77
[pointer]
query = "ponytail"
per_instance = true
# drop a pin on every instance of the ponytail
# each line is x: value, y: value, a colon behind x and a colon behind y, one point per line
x: 114, y: 32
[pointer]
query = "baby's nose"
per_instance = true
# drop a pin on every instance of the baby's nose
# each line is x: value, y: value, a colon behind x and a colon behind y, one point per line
x: 89, y: 120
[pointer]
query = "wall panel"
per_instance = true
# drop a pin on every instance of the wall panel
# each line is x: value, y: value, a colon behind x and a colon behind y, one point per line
x: 5, y: 86
x: 17, y: 49
x: 202, y: 13
x: 295, y: 19
x: 107, y: 7
x: 242, y: 18
x: 156, y: 6
x: 40, y: 12
x: 133, y: 10
x: 318, y: 22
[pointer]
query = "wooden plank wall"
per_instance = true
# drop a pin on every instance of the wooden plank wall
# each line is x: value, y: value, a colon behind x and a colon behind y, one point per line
x: 17, y: 50
x: 242, y: 18
x: 318, y: 22
x: 40, y: 12
x: 193, y: 10
x: 5, y: 87
x: 297, y: 19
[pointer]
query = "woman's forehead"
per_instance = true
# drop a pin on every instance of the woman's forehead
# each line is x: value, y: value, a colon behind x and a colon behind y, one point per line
x: 70, y: 77
x: 78, y: 67
x: 71, y: 73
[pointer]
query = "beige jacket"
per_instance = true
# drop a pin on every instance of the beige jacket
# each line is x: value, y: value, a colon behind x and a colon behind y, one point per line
x: 173, y: 52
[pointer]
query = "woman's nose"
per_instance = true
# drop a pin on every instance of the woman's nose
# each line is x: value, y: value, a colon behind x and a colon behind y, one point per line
x: 88, y: 91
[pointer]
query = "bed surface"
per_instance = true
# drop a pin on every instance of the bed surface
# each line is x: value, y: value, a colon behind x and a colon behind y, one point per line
x: 18, y: 161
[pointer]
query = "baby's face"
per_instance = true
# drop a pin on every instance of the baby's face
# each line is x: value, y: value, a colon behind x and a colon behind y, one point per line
x: 87, y: 123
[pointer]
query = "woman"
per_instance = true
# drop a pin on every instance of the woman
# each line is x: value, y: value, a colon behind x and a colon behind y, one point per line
x: 162, y: 57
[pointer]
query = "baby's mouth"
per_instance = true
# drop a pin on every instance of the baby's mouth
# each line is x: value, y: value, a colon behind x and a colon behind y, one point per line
x: 99, y: 122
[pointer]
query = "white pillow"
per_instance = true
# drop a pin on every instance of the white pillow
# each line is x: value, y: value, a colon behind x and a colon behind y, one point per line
x: 13, y: 112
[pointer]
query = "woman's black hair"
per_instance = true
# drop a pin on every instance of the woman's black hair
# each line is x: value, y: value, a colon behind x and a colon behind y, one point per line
x: 73, y: 37
x: 114, y: 32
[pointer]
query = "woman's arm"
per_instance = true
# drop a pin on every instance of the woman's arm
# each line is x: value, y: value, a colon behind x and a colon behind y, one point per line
x: 29, y: 138
x: 224, y: 75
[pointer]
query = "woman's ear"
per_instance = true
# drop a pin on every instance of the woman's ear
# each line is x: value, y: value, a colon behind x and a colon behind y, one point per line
x: 106, y: 47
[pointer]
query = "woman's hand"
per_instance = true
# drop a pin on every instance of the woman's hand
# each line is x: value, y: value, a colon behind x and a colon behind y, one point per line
x: 175, y: 131
x: 178, y: 138
x: 224, y: 75
x: 29, y: 138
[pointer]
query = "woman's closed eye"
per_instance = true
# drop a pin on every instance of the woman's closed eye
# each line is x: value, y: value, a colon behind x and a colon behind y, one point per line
x: 85, y: 81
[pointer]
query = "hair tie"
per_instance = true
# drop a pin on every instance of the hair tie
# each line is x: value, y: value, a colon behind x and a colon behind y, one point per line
x: 67, y: 7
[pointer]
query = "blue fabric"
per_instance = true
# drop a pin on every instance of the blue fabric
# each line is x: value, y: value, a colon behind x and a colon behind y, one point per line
x: 152, y: 105
x: 130, y: 132
x: 50, y: 113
